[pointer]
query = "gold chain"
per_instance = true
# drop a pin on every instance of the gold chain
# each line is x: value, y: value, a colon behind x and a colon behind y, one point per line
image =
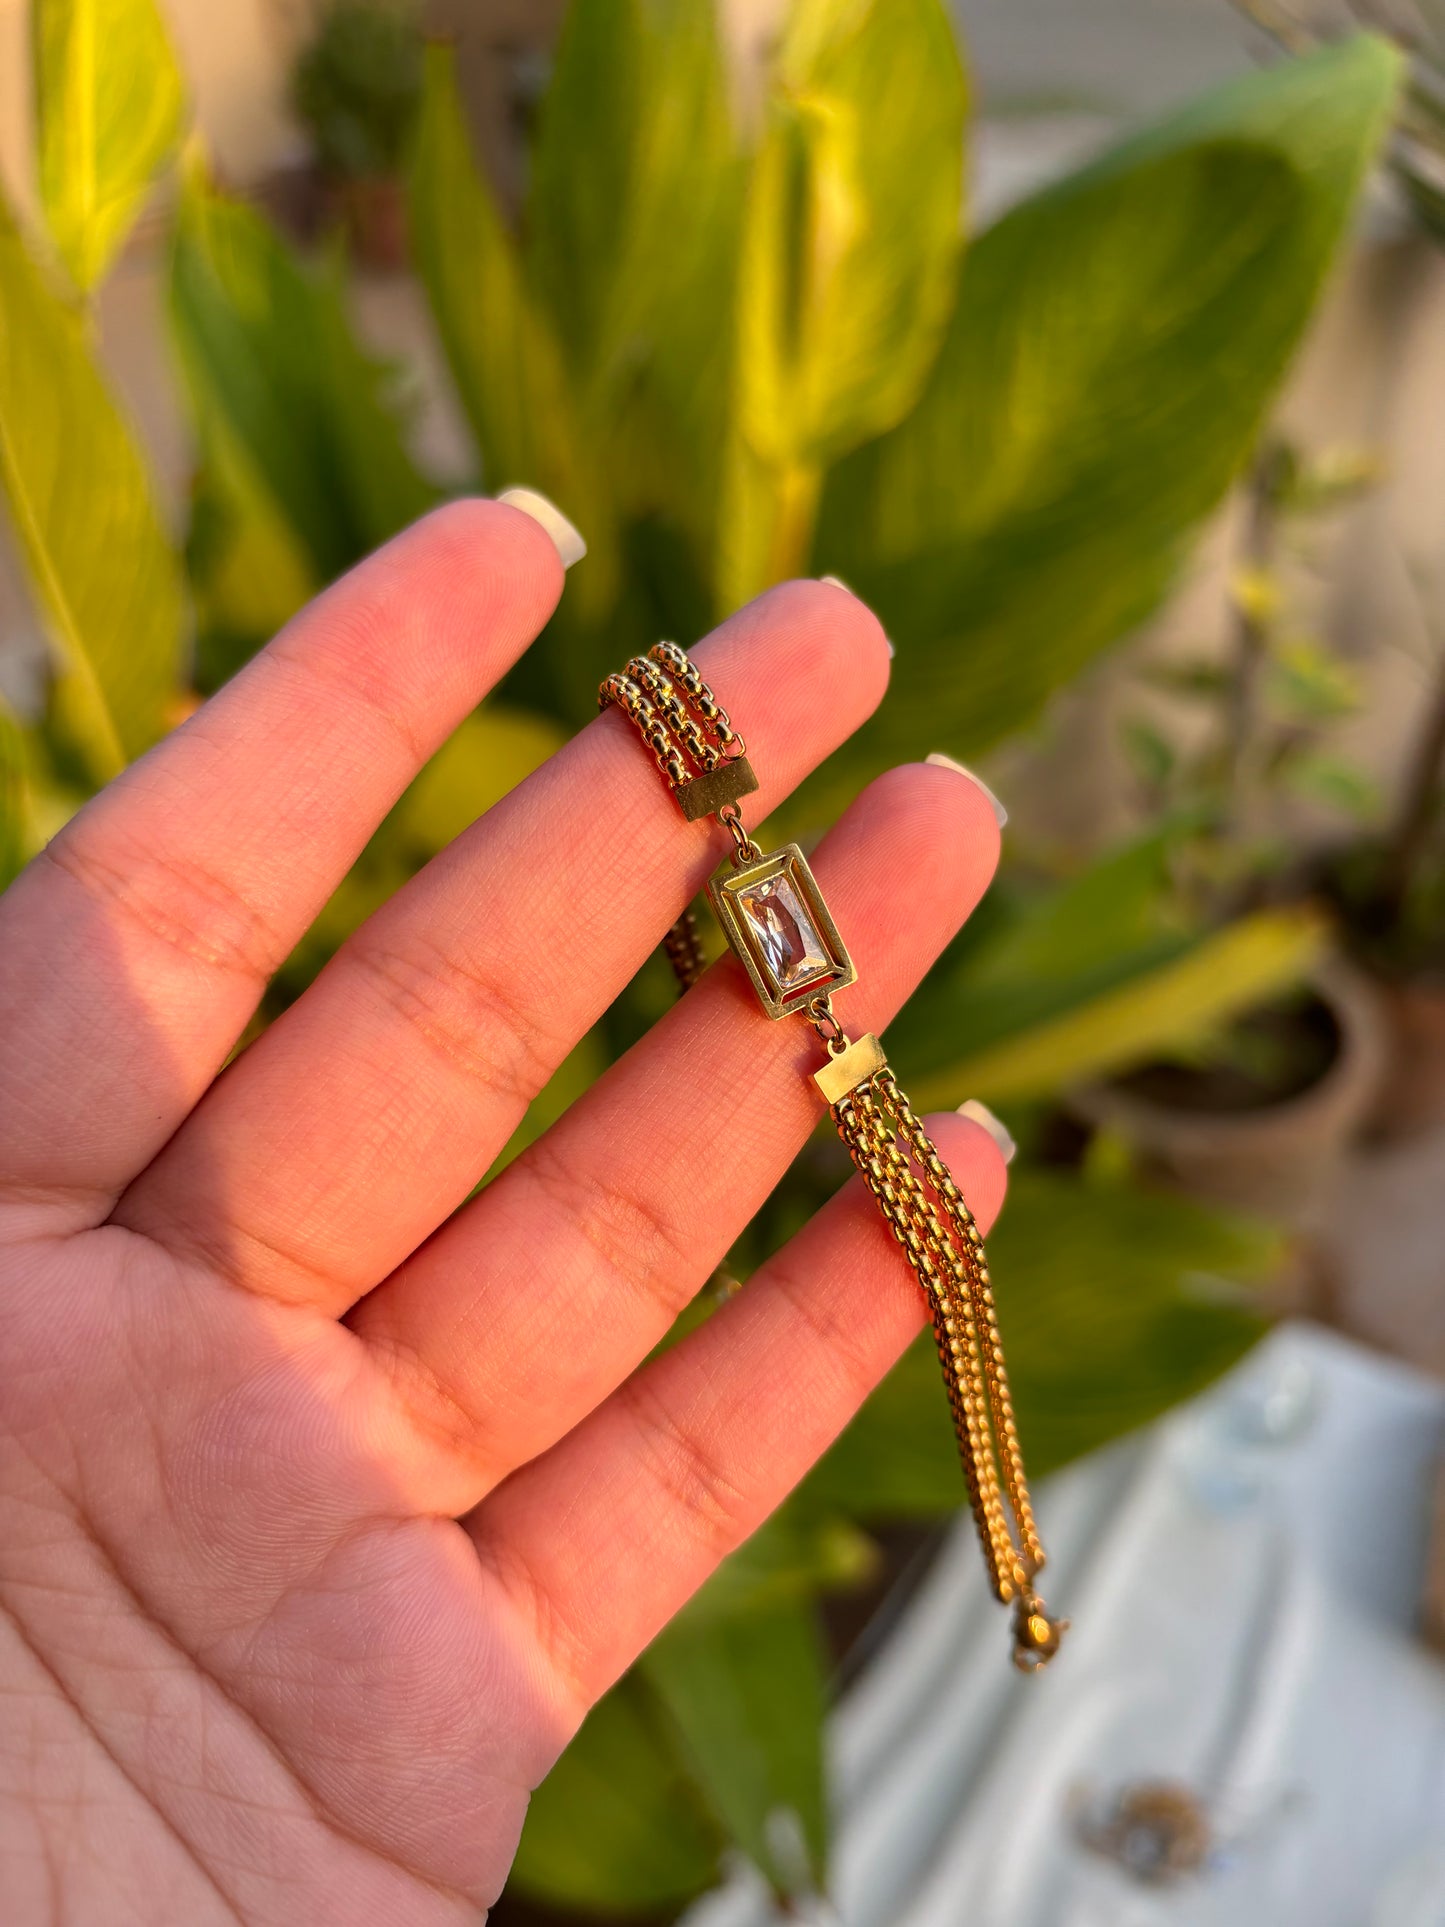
x: 704, y: 760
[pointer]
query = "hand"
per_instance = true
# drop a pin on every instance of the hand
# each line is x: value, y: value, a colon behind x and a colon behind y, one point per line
x: 327, y: 1508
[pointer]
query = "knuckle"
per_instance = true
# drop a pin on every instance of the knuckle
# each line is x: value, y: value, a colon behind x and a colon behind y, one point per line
x: 640, y: 1242
x: 176, y: 899
x: 675, y: 1456
x: 463, y: 1013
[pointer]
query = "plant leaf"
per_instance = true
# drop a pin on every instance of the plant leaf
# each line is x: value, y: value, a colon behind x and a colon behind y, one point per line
x: 109, y: 105
x: 615, y: 1827
x: 89, y: 532
x: 500, y: 344
x: 850, y: 246
x: 16, y: 838
x: 1111, y: 1312
x: 1115, y: 341
x: 1172, y: 998
x: 632, y: 226
x: 745, y: 1697
x: 279, y: 384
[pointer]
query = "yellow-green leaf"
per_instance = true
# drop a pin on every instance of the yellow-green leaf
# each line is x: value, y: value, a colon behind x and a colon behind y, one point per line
x: 849, y: 249
x: 15, y: 814
x: 109, y: 105
x: 90, y: 534
x: 1184, y: 998
x: 1115, y: 342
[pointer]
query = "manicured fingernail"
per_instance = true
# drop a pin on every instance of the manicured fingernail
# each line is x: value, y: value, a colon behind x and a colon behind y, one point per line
x: 977, y: 1112
x: 566, y: 539
x: 937, y: 757
x: 837, y: 582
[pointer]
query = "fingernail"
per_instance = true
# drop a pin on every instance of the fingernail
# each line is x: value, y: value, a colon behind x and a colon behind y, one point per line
x: 940, y: 761
x: 977, y: 1112
x: 837, y: 582
x: 566, y: 539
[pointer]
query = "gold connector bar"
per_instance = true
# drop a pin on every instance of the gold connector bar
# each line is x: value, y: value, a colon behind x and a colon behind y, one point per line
x: 863, y: 1059
x: 705, y: 795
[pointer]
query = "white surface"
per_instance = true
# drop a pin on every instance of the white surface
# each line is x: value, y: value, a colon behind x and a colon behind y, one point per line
x: 1242, y: 1614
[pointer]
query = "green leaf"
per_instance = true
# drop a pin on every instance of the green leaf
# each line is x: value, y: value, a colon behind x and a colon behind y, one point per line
x: 89, y: 532
x: 1111, y: 1309
x: 1332, y: 781
x: 616, y: 1827
x: 1115, y: 342
x: 499, y: 342
x: 790, y: 1558
x: 16, y: 836
x: 1308, y: 683
x: 109, y: 104
x: 745, y: 1696
x: 632, y: 226
x: 1169, y: 999
x: 495, y: 749
x: 849, y: 252
x: 280, y: 387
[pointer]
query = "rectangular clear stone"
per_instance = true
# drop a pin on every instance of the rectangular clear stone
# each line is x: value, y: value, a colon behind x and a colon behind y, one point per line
x: 775, y: 919
x: 784, y: 932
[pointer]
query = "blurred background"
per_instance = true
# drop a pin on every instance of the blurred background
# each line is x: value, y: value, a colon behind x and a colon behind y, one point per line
x: 1100, y: 345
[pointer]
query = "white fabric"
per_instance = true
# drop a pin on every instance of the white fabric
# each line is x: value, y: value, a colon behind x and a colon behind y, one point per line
x: 1243, y: 1580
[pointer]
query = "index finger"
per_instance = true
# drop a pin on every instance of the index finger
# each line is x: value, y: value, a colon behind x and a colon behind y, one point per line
x: 134, y: 950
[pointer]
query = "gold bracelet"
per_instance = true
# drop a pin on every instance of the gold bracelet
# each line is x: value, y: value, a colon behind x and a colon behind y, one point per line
x: 778, y: 925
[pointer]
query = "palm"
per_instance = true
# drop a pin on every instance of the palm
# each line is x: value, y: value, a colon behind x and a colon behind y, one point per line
x: 328, y: 1508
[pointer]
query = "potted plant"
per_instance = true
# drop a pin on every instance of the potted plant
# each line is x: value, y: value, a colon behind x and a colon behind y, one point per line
x: 1259, y: 1110
x: 355, y: 89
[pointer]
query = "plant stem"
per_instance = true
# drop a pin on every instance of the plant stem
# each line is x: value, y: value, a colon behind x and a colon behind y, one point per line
x: 796, y: 494
x: 1420, y: 801
x: 1251, y: 641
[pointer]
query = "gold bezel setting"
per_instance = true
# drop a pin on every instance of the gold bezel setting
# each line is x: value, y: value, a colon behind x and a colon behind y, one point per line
x: 727, y: 891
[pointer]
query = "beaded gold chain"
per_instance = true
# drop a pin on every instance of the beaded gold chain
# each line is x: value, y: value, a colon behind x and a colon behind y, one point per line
x: 777, y: 924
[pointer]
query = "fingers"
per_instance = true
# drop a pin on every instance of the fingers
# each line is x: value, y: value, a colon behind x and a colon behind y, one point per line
x: 340, y: 1140
x: 536, y: 1301
x: 604, y: 1538
x: 133, y: 952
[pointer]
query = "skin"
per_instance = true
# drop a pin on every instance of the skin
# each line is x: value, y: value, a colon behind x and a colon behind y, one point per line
x: 329, y: 1503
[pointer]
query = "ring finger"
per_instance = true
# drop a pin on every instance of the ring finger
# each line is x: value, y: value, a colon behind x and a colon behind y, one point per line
x: 535, y: 1302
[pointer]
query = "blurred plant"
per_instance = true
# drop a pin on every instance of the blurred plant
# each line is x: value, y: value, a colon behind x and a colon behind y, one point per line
x: 1269, y: 709
x: 1417, y: 27
x: 1259, y: 744
x: 357, y: 86
x: 728, y: 353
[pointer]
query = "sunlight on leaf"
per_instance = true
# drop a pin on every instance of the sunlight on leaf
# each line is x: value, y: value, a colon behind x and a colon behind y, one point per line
x: 109, y: 105
x: 1115, y: 341
x: 89, y: 533
x: 849, y: 251
x: 1178, y: 1000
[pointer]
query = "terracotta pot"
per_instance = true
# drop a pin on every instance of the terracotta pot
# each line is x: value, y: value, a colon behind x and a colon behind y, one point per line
x: 1411, y: 1097
x: 1277, y: 1160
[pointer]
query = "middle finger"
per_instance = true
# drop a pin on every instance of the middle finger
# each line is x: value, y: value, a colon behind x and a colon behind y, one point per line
x: 363, y: 1116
